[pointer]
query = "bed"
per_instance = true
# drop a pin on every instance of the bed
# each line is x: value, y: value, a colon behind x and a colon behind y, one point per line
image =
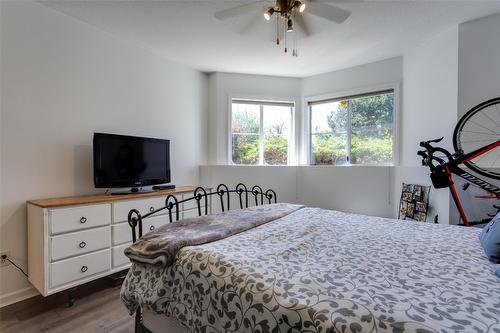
x: 317, y: 270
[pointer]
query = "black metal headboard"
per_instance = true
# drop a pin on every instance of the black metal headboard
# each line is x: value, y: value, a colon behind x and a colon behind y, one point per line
x: 200, y: 194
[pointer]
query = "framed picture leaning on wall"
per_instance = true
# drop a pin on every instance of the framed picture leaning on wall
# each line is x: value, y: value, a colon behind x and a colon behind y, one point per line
x: 414, y: 203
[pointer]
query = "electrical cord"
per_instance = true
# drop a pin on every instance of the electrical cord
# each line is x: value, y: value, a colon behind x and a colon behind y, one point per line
x: 4, y: 257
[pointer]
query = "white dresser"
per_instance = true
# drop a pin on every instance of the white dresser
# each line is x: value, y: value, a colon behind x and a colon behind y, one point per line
x: 75, y: 240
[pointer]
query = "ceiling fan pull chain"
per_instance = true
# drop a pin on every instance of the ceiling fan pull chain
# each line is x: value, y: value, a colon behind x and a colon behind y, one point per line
x: 295, y: 53
x: 286, y: 41
x: 277, y: 30
x: 286, y: 33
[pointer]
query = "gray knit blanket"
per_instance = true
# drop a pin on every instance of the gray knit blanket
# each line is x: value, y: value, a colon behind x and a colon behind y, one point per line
x: 161, y: 246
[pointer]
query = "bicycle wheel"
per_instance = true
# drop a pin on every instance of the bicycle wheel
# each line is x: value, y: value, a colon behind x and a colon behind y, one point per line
x: 480, y: 127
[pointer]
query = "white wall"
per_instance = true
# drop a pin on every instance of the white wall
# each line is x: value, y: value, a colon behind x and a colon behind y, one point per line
x: 363, y: 76
x: 429, y: 110
x: 61, y: 80
x: 478, y: 62
x: 350, y: 189
x: 429, y: 94
x: 364, y: 190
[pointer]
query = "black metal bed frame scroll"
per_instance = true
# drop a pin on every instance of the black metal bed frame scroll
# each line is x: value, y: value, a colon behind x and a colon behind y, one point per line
x: 200, y: 194
x: 172, y: 204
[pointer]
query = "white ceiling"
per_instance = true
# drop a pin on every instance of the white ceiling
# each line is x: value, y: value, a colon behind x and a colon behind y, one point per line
x: 188, y: 33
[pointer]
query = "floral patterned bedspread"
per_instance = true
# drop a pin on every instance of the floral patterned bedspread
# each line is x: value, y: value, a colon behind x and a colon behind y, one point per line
x: 319, y: 270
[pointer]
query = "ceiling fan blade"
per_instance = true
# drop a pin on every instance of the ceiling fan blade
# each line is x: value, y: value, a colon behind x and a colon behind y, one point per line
x: 237, y: 11
x: 331, y: 13
x: 300, y: 20
x: 254, y: 22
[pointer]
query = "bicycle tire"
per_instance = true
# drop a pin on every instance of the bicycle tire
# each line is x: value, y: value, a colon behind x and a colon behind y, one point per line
x: 457, y: 134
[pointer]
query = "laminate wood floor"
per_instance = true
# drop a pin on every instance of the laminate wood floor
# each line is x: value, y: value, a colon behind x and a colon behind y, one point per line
x: 97, y: 309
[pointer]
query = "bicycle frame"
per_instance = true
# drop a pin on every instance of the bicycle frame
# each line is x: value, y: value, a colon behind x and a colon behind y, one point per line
x: 450, y: 167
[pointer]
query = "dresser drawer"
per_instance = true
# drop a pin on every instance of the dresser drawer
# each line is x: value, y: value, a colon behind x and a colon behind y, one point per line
x: 144, y: 206
x: 122, y: 233
x: 77, y: 243
x: 118, y: 256
x: 69, y: 270
x: 78, y: 218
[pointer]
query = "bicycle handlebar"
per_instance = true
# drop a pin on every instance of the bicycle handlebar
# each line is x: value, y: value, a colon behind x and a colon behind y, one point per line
x: 428, y: 143
x: 428, y: 154
x: 422, y: 153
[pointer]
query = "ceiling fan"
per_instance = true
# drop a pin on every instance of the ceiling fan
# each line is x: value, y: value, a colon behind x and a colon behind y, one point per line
x: 288, y: 13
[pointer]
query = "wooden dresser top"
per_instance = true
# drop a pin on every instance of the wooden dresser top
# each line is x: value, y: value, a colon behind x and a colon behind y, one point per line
x: 100, y: 198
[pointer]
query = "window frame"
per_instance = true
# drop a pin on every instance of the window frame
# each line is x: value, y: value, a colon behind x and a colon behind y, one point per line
x: 349, y: 94
x: 261, y: 102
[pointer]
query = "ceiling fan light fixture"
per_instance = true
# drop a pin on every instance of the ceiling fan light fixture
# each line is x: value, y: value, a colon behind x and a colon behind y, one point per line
x: 300, y: 6
x: 289, y: 25
x: 268, y: 13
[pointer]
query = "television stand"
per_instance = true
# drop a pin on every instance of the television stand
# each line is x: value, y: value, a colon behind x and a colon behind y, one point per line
x: 133, y: 190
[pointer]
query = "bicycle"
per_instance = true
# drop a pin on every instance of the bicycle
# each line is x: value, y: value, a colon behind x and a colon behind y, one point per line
x: 469, y: 136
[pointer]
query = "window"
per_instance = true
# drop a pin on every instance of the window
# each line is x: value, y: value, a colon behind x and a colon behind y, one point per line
x: 352, y: 130
x: 261, y: 132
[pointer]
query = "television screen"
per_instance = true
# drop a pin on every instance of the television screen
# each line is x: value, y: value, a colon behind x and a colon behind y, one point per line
x: 129, y: 161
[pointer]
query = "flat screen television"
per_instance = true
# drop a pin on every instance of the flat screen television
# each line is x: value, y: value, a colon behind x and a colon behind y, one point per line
x: 130, y: 161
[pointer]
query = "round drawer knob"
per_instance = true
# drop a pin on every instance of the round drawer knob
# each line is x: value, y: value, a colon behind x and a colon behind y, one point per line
x: 83, y: 219
x: 84, y: 269
x: 82, y: 245
x: 152, y: 228
x: 151, y: 208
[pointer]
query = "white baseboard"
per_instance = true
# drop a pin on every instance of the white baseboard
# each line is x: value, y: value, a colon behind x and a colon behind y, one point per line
x: 17, y: 296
